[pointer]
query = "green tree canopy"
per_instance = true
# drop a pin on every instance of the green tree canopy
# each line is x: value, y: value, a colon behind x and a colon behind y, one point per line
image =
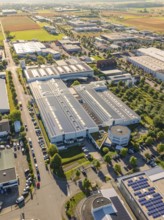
x: 105, y: 150
x: 160, y: 135
x: 149, y: 140
x: 117, y: 168
x: 52, y: 150
x: 107, y: 158
x: 56, y: 162
x: 86, y: 184
x: 75, y: 83
x: 160, y: 148
x: 133, y: 161
x: 15, y: 115
x: 123, y: 152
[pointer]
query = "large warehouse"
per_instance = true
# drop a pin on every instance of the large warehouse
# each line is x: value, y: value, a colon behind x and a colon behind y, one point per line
x: 104, y: 107
x: 64, y: 118
x: 24, y: 48
x: 149, y: 65
x: 64, y: 69
x: 144, y: 192
x: 4, y: 103
x: 119, y: 36
x: 152, y: 52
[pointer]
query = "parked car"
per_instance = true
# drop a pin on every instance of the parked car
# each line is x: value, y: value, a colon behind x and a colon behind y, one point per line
x: 25, y: 193
x: 20, y: 200
x: 1, y: 204
x: 38, y: 185
x: 27, y: 171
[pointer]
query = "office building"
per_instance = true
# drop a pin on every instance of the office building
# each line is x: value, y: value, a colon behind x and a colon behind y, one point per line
x: 119, y: 135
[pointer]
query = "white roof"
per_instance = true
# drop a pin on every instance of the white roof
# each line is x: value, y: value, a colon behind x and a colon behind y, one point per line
x: 28, y: 47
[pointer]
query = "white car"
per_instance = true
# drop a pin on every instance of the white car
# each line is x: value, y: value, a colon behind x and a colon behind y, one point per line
x: 20, y: 199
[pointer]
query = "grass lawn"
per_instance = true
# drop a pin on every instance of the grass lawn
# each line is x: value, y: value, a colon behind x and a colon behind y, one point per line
x: 98, y: 58
x: 42, y: 24
x: 40, y: 35
x: 72, y: 203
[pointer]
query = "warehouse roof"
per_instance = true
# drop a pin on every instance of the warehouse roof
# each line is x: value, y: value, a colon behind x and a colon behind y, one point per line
x: 153, y: 52
x: 28, y: 47
x: 4, y: 104
x: 149, y: 62
x: 71, y: 47
x: 60, y: 111
x: 118, y: 36
x: 62, y: 67
x: 104, y: 104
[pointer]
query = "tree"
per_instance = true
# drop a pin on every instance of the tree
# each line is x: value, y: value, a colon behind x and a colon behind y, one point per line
x: 160, y: 148
x: 123, y: 152
x: 52, y: 150
x: 75, y: 83
x: 77, y: 173
x: 49, y: 58
x: 0, y: 116
x: 160, y: 135
x: 86, y: 184
x: 56, y: 162
x: 133, y: 161
x: 15, y: 115
x: 149, y: 140
x: 107, y: 158
x: 147, y: 156
x: 97, y: 164
x: 40, y: 60
x: 105, y: 150
x: 117, y: 168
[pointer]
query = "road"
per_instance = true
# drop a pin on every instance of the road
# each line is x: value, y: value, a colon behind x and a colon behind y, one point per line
x: 48, y: 200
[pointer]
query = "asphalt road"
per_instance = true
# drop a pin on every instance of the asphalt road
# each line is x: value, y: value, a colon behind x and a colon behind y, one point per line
x: 48, y: 200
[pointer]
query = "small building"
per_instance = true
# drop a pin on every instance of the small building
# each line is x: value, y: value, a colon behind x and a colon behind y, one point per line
x: 8, y: 177
x: 50, y: 29
x: 105, y: 205
x: 4, y: 103
x: 4, y: 127
x: 17, y: 126
x: 70, y: 48
x: 55, y: 54
x: 119, y: 135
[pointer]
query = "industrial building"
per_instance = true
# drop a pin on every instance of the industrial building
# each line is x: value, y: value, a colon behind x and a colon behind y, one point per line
x: 4, y: 103
x: 50, y: 29
x: 64, y: 69
x: 87, y: 29
x: 144, y: 192
x: 78, y: 23
x: 149, y: 65
x: 152, y: 52
x: 67, y: 41
x: 9, y: 12
x: 105, y: 205
x: 118, y: 36
x: 8, y: 177
x: 70, y: 48
x: 32, y: 47
x: 103, y: 106
x: 55, y: 54
x: 119, y: 135
x: 64, y: 118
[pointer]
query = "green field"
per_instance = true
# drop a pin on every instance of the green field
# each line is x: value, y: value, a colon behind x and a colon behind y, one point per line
x: 40, y: 35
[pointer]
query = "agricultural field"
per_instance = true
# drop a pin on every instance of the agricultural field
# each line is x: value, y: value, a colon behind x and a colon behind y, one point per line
x: 18, y: 23
x: 1, y: 37
x: 39, y: 34
x: 141, y: 21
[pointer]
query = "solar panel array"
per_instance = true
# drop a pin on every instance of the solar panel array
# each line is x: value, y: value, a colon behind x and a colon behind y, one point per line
x: 147, y: 196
